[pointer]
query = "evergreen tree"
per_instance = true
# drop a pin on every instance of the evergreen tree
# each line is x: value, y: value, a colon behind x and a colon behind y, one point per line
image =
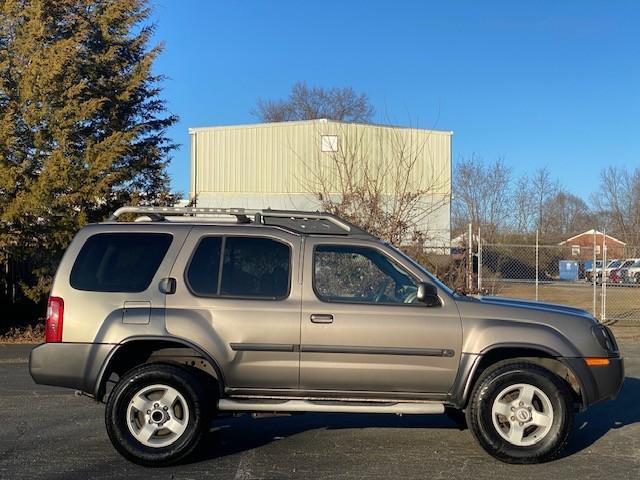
x: 82, y: 126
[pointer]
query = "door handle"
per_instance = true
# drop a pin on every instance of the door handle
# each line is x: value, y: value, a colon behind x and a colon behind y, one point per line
x: 321, y: 318
x: 168, y: 286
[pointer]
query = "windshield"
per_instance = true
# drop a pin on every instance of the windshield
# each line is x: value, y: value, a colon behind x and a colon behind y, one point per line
x: 431, y: 276
x: 627, y: 263
x: 614, y: 264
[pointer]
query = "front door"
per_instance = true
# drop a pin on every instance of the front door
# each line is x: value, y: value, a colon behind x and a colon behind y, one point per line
x: 363, y: 328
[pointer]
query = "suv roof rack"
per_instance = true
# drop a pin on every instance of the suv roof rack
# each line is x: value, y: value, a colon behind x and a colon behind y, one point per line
x: 311, y: 223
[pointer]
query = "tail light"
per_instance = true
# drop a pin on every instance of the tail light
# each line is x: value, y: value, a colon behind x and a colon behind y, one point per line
x: 55, y: 315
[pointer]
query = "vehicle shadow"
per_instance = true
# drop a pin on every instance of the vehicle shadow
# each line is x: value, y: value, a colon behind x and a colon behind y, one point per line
x: 593, y: 424
x: 231, y: 435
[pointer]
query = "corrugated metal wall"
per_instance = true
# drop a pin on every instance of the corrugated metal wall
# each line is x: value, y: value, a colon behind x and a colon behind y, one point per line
x: 286, y: 157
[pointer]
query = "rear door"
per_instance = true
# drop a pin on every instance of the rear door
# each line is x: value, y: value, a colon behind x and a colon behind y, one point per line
x: 238, y: 297
x: 362, y: 328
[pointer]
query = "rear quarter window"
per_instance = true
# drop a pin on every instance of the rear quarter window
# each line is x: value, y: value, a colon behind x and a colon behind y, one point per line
x: 119, y: 262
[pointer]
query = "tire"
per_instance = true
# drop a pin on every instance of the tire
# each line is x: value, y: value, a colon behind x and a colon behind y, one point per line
x: 637, y: 278
x: 545, y: 429
x: 145, y: 438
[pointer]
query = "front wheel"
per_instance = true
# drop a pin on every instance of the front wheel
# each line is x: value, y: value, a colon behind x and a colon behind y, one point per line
x: 520, y: 412
x: 157, y: 414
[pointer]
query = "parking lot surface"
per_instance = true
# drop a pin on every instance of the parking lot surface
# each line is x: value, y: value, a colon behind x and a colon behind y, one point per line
x: 48, y: 432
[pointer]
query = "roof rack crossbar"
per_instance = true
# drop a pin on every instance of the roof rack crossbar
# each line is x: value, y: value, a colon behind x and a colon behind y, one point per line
x: 298, y: 219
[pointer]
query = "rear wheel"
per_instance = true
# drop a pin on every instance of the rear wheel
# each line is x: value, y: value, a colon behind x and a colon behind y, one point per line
x: 157, y: 414
x: 521, y: 413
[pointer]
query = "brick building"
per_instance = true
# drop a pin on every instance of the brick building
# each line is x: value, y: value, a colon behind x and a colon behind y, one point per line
x: 582, y: 245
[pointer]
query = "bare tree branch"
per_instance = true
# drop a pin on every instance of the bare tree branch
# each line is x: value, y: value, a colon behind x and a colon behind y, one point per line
x: 310, y: 103
x: 619, y: 201
x: 482, y: 195
x: 382, y: 191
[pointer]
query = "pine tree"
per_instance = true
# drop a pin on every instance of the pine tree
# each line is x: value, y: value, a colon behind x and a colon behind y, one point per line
x: 82, y: 124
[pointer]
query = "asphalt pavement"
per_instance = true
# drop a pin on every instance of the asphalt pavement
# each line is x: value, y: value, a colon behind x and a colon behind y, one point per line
x: 50, y: 433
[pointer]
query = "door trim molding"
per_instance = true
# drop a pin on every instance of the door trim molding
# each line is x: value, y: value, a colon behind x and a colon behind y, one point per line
x: 263, y: 347
x: 366, y: 350
x: 348, y: 349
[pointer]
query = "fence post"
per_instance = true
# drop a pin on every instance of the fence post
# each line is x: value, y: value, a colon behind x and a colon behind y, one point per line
x: 469, y: 259
x: 593, y: 272
x: 537, y: 261
x: 479, y: 262
x: 603, y: 295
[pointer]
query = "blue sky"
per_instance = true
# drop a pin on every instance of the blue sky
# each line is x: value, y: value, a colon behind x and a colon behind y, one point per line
x: 544, y: 83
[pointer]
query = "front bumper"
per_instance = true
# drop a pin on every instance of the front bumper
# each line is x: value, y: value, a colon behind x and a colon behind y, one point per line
x: 598, y: 383
x: 70, y: 365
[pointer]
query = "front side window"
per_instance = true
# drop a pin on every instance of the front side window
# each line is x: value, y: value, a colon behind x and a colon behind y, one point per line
x: 357, y: 274
x: 119, y: 262
x: 240, y: 267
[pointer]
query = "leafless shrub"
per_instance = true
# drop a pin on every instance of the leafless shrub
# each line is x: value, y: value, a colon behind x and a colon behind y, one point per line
x: 28, y: 334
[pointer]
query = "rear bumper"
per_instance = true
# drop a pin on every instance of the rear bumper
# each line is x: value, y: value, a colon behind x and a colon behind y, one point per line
x: 599, y: 383
x: 70, y: 365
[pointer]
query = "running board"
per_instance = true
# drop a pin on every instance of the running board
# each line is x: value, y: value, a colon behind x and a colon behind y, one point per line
x: 229, y: 405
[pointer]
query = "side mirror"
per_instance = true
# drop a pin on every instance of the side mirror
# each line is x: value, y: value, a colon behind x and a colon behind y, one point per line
x: 428, y: 294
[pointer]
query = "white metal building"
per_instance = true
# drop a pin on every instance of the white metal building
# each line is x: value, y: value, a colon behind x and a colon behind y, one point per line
x: 288, y: 165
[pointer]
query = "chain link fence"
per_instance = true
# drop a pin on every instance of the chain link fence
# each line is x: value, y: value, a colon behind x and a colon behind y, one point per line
x: 579, y: 276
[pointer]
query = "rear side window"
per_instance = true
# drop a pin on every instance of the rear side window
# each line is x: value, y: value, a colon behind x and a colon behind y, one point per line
x: 251, y: 267
x: 119, y: 262
x: 204, y: 267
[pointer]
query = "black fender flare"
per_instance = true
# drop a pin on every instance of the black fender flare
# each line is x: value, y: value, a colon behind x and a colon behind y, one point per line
x: 469, y: 364
x: 101, y: 380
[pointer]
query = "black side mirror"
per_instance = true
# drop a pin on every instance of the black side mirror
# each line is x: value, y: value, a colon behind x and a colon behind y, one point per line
x: 428, y: 294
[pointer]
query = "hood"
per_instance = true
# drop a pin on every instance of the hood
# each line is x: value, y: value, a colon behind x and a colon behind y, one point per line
x: 516, y: 302
x: 528, y: 305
